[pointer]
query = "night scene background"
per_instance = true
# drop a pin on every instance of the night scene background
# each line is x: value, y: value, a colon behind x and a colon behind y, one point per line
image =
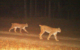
x: 54, y: 13
x: 67, y: 9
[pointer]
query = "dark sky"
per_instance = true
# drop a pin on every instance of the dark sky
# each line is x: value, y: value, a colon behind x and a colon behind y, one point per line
x: 14, y: 7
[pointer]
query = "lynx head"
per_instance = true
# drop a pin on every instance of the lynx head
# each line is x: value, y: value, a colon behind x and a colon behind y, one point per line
x: 59, y: 30
x: 26, y: 25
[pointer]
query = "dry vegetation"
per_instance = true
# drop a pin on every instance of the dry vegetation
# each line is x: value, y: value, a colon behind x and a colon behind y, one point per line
x: 14, y: 45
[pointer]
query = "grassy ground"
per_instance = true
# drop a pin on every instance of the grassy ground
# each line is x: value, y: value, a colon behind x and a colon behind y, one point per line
x: 14, y: 45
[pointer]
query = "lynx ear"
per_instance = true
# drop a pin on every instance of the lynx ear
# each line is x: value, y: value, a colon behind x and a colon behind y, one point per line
x: 39, y: 25
x: 58, y: 27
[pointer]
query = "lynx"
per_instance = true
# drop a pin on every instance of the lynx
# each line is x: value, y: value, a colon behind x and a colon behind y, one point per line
x: 17, y: 25
x: 51, y: 31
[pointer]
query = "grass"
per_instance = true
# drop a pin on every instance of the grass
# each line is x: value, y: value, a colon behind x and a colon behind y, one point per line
x: 15, y: 45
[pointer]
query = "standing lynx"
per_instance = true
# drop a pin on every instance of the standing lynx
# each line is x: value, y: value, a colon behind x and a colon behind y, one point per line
x: 17, y: 25
x: 51, y: 31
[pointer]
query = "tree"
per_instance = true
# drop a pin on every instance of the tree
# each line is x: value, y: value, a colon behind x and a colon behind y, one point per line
x: 25, y: 13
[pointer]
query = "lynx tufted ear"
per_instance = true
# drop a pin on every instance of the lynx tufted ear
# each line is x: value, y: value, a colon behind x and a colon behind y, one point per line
x: 59, y: 29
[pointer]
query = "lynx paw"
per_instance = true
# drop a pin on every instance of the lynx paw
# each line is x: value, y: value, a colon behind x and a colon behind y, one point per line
x: 57, y: 40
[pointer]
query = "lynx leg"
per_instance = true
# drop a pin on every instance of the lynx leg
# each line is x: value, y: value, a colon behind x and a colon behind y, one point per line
x: 55, y: 35
x: 49, y: 36
x: 15, y: 30
x: 10, y: 29
x: 25, y: 30
x: 41, y: 33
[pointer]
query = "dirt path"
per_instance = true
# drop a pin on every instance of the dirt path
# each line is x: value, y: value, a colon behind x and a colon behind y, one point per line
x: 34, y: 39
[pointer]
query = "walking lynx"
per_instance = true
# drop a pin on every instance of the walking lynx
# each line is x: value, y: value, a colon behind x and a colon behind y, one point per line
x: 17, y: 25
x: 51, y: 31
